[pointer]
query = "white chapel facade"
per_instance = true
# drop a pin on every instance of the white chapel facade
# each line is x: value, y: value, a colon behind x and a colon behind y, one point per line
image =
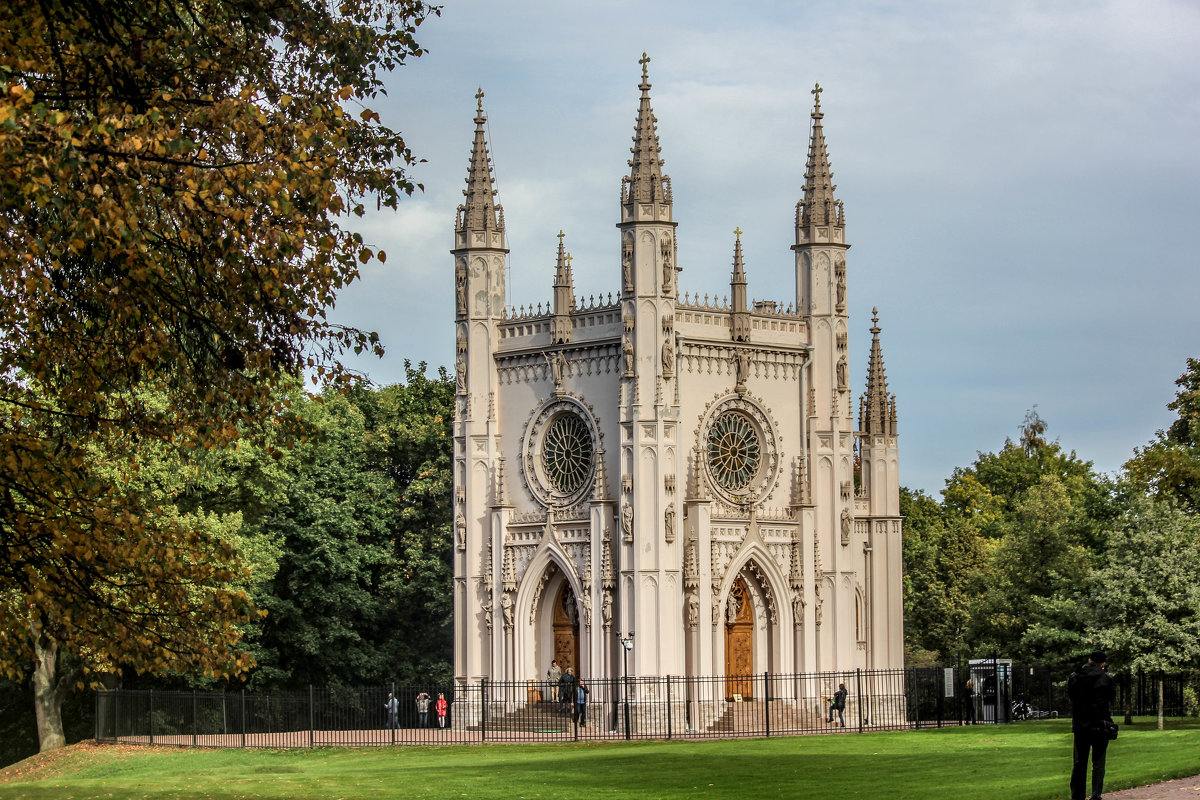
x: 687, y: 470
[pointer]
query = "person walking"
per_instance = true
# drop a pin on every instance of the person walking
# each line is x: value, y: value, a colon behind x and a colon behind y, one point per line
x: 970, y: 699
x: 392, y: 706
x: 581, y: 694
x: 441, y: 706
x: 1090, y: 689
x: 838, y: 704
x: 423, y: 710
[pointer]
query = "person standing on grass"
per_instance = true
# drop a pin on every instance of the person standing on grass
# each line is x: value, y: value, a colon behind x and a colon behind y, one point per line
x: 441, y: 706
x: 838, y: 704
x: 970, y: 692
x: 580, y: 715
x: 392, y: 707
x: 423, y: 710
x: 1091, y: 689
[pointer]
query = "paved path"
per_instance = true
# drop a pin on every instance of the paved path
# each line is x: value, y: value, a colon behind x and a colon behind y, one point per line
x: 1181, y: 789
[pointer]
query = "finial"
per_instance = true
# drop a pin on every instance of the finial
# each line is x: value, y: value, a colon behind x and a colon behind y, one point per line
x: 875, y: 315
x: 644, y: 60
x: 738, y: 232
x: 479, y: 99
x: 816, y: 92
x: 569, y: 257
x: 560, y: 235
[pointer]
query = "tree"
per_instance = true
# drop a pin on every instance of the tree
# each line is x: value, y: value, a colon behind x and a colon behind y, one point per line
x: 1170, y: 465
x: 176, y: 180
x: 1143, y: 604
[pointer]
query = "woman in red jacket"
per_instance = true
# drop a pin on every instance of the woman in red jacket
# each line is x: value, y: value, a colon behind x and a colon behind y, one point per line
x: 441, y: 706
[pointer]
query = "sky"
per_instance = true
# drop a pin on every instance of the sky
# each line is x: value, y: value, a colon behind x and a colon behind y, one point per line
x: 1021, y: 183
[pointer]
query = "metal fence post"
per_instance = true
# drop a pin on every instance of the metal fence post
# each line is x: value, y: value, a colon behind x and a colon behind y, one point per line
x: 243, y: 717
x: 311, y: 717
x: 195, y: 718
x: 859, y: 695
x: 151, y: 716
x: 483, y: 704
x: 668, y: 706
x: 767, y: 703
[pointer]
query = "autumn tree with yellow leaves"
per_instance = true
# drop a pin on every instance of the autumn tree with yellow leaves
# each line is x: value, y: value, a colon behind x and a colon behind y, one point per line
x: 178, y: 185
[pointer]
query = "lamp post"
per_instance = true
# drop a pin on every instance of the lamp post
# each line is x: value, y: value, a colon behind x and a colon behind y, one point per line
x: 627, y: 645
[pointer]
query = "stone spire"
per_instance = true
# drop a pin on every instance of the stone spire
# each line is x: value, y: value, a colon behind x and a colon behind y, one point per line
x: 819, y: 207
x: 564, y: 296
x: 737, y: 293
x: 646, y: 182
x: 877, y: 409
x: 480, y: 212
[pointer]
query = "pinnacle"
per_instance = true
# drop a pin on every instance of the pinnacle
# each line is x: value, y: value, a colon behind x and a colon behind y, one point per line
x: 479, y: 211
x: 646, y: 182
x: 877, y: 415
x: 819, y: 206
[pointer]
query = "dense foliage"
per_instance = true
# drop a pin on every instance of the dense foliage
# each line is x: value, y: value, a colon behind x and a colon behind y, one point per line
x: 176, y: 183
x: 1032, y: 555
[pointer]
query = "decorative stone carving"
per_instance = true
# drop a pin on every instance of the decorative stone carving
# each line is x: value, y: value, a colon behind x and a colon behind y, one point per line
x: 627, y: 266
x: 627, y: 521
x: 460, y: 530
x: 841, y: 284
x: 558, y: 366
x: 627, y: 352
x: 669, y: 524
x: 606, y: 609
x: 843, y: 382
x: 506, y: 606
x: 845, y: 527
x: 742, y: 367
x: 693, y: 611
x: 460, y: 289
x: 460, y: 374
x: 668, y: 359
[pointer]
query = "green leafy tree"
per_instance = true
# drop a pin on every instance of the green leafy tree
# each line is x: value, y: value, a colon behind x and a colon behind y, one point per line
x: 1143, y: 604
x: 177, y: 184
x: 1170, y: 465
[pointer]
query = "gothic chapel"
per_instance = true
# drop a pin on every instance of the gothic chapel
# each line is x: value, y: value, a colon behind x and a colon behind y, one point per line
x: 685, y: 470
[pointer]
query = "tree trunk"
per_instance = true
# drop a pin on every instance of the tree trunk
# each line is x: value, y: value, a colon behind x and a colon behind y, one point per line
x: 1160, y: 701
x: 48, y: 691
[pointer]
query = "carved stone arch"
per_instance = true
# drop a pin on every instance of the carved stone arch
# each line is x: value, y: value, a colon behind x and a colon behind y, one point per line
x: 823, y: 260
x: 766, y: 571
x: 534, y: 591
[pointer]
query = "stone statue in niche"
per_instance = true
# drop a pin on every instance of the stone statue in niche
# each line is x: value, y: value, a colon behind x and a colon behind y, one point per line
x: 742, y: 364
x: 841, y: 285
x: 693, y: 610
x: 668, y: 359
x: 460, y: 373
x: 843, y: 380
x: 627, y: 267
x: 845, y: 526
x: 669, y: 524
x: 558, y: 366
x: 506, y: 607
x: 627, y: 347
x: 606, y: 608
x: 627, y: 521
x: 460, y: 527
x: 667, y: 270
x: 460, y: 289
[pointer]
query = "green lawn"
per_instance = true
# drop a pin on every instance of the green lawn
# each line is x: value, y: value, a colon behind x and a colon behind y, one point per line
x: 1026, y: 760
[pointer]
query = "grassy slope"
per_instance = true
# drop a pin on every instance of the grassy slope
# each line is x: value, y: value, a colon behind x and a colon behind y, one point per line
x: 1013, y: 762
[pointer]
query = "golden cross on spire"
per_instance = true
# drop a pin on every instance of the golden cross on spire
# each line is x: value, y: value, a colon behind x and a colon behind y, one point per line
x: 738, y: 232
x: 560, y: 235
x: 479, y: 98
x: 644, y: 60
x: 816, y: 92
x: 569, y: 257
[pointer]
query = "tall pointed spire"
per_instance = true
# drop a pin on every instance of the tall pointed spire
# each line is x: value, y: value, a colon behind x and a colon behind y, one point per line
x: 819, y: 207
x: 877, y: 409
x: 646, y: 182
x: 564, y: 296
x: 737, y: 292
x: 480, y: 212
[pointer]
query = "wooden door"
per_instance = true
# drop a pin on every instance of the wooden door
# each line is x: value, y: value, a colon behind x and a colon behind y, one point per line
x: 739, y: 643
x: 566, y: 629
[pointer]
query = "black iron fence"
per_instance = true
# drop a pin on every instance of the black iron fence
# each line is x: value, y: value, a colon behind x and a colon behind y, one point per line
x: 668, y: 707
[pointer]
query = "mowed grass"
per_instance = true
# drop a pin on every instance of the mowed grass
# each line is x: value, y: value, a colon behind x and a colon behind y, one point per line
x: 1026, y: 761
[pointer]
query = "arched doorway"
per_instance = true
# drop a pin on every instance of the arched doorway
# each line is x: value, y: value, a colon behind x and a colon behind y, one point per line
x: 566, y: 629
x: 739, y: 642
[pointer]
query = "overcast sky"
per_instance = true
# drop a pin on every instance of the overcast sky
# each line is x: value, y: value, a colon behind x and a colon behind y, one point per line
x: 1021, y: 183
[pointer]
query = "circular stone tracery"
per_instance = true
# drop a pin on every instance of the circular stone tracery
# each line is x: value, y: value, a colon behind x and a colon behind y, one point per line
x: 567, y: 453
x: 738, y: 450
x: 734, y: 451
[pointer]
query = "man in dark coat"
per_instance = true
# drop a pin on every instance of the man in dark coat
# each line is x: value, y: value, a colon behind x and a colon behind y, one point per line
x: 1091, y: 689
x: 566, y: 689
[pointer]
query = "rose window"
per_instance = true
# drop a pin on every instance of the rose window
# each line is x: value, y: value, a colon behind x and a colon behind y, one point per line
x: 567, y: 453
x: 734, y: 451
